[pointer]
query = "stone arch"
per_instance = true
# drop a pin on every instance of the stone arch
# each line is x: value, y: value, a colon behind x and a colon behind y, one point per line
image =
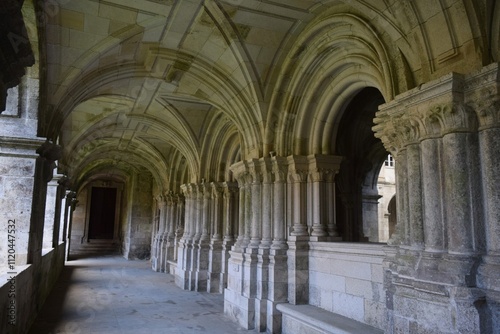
x: 220, y: 150
x: 334, y: 58
x: 363, y: 155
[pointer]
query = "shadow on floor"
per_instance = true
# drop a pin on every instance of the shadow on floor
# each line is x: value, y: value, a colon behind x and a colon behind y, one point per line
x: 109, y: 294
x: 52, y: 309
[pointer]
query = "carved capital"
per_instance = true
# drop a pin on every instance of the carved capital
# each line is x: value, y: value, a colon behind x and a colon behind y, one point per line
x: 298, y: 168
x: 255, y: 171
x: 452, y: 117
x: 241, y: 173
x: 486, y: 104
x: 216, y: 190
x: 395, y: 131
x: 323, y: 168
x: 279, y: 168
x: 229, y: 189
x: 160, y: 200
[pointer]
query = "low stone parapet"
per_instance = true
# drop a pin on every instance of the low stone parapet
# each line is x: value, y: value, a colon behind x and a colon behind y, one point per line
x: 307, y: 319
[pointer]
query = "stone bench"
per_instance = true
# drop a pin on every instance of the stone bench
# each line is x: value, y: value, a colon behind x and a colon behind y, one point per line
x: 307, y: 319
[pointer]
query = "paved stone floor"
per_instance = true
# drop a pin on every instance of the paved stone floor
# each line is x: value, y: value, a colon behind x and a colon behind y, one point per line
x: 112, y: 295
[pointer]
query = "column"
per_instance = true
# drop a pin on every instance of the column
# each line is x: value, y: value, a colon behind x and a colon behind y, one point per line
x: 70, y: 207
x: 179, y: 226
x: 278, y: 267
x: 298, y: 170
x: 215, y: 248
x: 59, y: 210
x: 45, y: 164
x: 156, y: 254
x: 50, y: 213
x: 298, y: 248
x: 264, y: 199
x: 483, y: 97
x: 322, y: 169
x: 171, y: 225
x: 166, y: 220
x: 230, y: 227
x: 197, y: 232
x: 239, y: 296
x: 431, y: 187
x: 432, y: 134
x: 184, y: 248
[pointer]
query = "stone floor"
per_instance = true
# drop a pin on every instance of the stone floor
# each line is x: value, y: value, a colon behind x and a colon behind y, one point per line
x: 112, y: 295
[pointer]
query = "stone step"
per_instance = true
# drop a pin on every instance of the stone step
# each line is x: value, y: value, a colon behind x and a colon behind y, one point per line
x: 308, y: 319
x: 95, y: 247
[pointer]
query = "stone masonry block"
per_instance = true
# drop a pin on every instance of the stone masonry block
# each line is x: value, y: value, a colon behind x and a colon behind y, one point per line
x: 349, y: 306
x: 351, y: 269
x: 357, y: 287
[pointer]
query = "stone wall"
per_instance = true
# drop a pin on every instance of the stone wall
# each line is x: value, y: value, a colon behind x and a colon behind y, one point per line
x: 347, y: 279
x: 33, y: 284
x: 137, y: 232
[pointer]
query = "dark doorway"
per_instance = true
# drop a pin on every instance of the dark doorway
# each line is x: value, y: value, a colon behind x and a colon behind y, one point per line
x: 102, y: 213
x: 364, y: 154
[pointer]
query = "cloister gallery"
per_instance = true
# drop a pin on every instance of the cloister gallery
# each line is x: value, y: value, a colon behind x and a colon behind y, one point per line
x: 300, y: 157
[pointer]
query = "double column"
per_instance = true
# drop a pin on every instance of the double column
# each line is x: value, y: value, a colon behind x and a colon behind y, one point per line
x: 284, y: 203
x: 224, y: 210
x: 482, y: 95
x: 445, y: 164
x: 173, y: 209
x: 210, y: 211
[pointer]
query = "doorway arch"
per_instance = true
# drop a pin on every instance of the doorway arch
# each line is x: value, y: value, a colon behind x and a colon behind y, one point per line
x: 364, y: 154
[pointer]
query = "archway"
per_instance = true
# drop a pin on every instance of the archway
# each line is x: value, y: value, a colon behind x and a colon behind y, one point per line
x: 357, y: 180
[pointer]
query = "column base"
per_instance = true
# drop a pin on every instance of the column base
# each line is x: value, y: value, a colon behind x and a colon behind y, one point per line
x: 488, y: 276
x: 214, y: 267
x: 201, y: 265
x: 240, y: 308
x: 183, y: 263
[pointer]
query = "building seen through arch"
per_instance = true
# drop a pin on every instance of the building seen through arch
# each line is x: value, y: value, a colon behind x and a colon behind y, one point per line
x: 305, y: 159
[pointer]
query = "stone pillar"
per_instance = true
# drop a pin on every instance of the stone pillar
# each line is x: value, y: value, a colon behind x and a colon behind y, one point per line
x: 482, y: 95
x: 50, y: 212
x: 179, y: 225
x: 215, y: 247
x: 263, y: 199
x: 185, y: 245
x: 230, y: 227
x: 280, y: 173
x: 239, y: 296
x: 45, y: 164
x: 278, y: 267
x: 298, y: 248
x: 156, y: 251
x: 62, y: 185
x: 63, y: 223
x: 322, y: 169
x: 202, y: 247
x: 432, y: 134
x: 171, y: 225
x: 71, y: 202
x: 435, y: 238
x: 196, y: 223
x: 165, y: 221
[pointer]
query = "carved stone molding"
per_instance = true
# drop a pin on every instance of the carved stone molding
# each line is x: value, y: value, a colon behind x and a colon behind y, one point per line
x: 431, y: 111
x: 298, y: 168
x: 279, y: 168
x: 323, y: 168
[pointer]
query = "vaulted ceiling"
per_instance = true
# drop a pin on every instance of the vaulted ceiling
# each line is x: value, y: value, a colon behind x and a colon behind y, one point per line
x: 184, y: 88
